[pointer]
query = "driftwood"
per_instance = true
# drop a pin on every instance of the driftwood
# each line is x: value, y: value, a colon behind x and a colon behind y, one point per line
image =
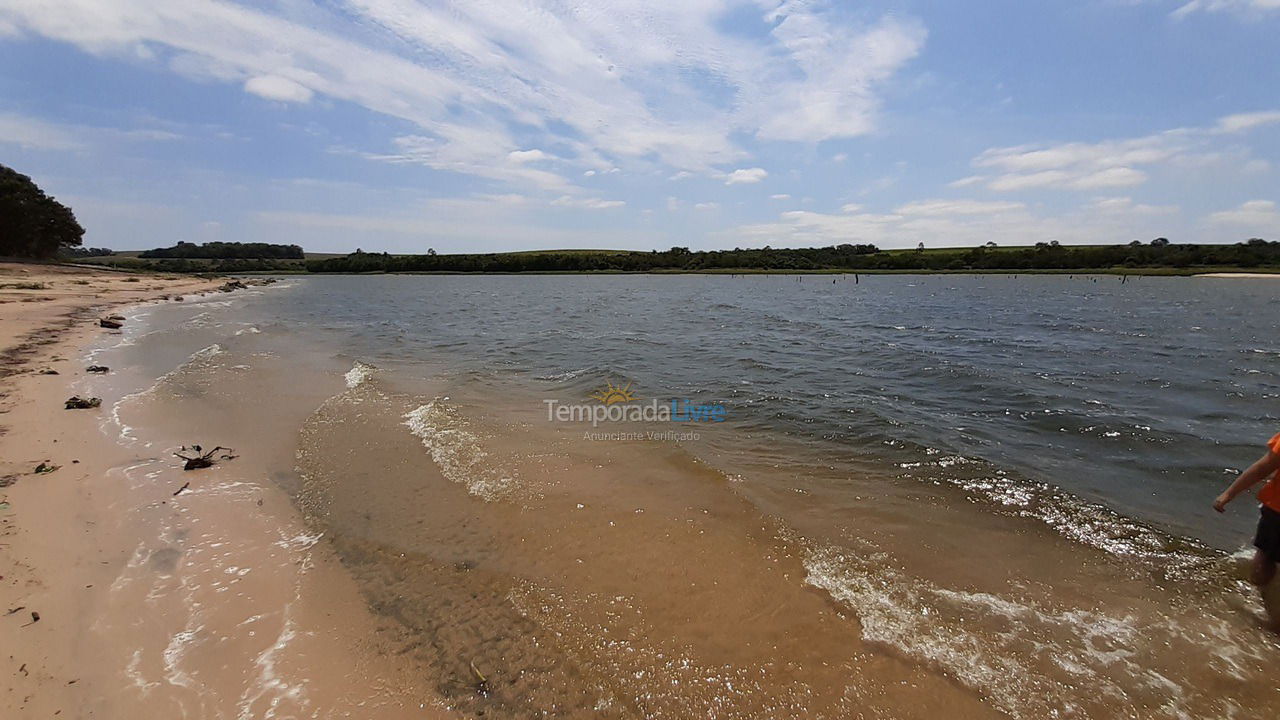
x: 97, y: 368
x: 110, y: 324
x: 78, y: 403
x: 201, y: 459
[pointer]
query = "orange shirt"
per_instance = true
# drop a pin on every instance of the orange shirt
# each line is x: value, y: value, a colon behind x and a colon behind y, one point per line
x: 1269, y: 495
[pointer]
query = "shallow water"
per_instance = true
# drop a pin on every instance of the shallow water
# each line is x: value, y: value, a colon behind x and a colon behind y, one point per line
x: 970, y: 495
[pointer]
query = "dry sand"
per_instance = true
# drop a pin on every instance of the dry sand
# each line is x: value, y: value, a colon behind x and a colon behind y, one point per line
x: 1240, y: 275
x: 135, y: 625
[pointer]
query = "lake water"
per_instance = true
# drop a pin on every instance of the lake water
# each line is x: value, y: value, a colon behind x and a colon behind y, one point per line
x: 970, y: 495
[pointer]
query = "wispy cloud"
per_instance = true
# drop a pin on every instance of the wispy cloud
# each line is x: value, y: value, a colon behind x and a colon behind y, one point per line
x: 37, y: 134
x: 274, y: 87
x: 1109, y: 163
x: 30, y: 132
x: 1237, y: 6
x: 1247, y: 121
x: 588, y: 203
x: 1258, y: 216
x: 624, y: 81
x: 956, y: 222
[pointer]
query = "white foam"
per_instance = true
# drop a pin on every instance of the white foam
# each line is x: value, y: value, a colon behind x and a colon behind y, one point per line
x: 359, y: 374
x: 457, y: 451
x: 1029, y: 659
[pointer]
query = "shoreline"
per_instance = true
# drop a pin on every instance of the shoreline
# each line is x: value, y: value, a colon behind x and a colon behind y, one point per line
x: 122, y: 575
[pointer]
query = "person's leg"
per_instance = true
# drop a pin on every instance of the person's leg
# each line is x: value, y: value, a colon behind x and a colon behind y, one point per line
x: 1262, y: 572
x: 1262, y: 569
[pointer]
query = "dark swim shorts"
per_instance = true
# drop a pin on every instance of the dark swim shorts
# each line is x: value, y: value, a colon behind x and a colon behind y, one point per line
x: 1268, y: 537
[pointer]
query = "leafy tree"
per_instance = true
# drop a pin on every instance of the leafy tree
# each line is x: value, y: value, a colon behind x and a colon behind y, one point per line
x: 226, y: 250
x: 32, y: 224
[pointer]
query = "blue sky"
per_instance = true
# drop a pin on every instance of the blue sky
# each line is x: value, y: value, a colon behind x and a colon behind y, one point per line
x: 400, y: 125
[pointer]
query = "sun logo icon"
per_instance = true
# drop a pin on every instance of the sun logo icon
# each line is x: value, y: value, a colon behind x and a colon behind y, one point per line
x: 612, y: 394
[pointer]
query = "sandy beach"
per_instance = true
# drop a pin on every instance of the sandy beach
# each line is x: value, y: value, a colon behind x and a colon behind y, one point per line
x: 1240, y: 275
x: 185, y: 595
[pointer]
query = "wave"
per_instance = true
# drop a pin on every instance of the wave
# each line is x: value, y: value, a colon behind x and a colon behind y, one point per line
x: 1079, y: 520
x: 1033, y: 660
x: 459, y: 452
x: 196, y: 362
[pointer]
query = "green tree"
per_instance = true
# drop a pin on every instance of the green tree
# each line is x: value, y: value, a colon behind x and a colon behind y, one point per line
x: 32, y: 224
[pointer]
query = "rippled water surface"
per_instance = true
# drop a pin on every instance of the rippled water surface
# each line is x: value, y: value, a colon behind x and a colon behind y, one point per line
x: 1138, y: 395
x: 969, y: 495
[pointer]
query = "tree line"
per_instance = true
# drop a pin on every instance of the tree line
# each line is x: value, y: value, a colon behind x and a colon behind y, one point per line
x: 677, y: 258
x: 225, y: 250
x: 35, y: 225
x: 1159, y: 253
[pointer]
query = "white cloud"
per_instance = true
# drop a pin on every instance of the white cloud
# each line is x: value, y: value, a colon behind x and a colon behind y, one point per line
x: 1247, y: 121
x: 1256, y: 166
x: 587, y: 203
x: 37, y: 134
x: 466, y: 232
x: 1237, y: 6
x: 957, y: 223
x: 746, y: 176
x: 850, y: 208
x: 524, y: 156
x: 780, y: 196
x: 1258, y: 216
x: 469, y: 150
x: 624, y: 81
x: 840, y: 67
x: 1120, y: 205
x: 839, y: 157
x: 482, y: 204
x: 1014, y: 181
x: 1114, y: 163
x: 955, y: 207
x: 29, y: 132
x: 707, y: 206
x: 1111, y: 177
x: 274, y: 87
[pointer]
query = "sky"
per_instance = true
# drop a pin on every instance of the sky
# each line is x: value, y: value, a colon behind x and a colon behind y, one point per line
x: 478, y: 126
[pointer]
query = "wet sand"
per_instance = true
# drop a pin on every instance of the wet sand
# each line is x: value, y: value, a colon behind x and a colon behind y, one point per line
x: 214, y: 602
